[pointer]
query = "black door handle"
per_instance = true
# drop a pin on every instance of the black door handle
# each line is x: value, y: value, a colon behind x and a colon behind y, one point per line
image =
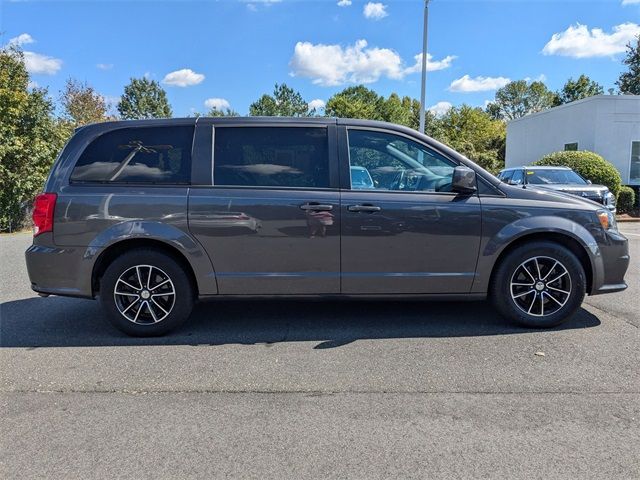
x: 363, y: 208
x: 316, y: 207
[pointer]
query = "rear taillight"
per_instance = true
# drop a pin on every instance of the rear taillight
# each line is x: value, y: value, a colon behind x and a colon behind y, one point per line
x: 43, y: 207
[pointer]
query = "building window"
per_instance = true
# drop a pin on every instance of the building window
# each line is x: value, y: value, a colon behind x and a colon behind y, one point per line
x: 571, y: 147
x: 634, y: 170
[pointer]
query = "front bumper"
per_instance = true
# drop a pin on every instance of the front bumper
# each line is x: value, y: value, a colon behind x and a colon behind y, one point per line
x: 612, y: 264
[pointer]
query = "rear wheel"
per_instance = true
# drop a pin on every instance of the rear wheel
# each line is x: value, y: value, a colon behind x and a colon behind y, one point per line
x: 146, y: 293
x: 539, y: 284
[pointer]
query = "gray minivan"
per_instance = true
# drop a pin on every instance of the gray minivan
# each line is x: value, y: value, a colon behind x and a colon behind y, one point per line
x: 152, y: 215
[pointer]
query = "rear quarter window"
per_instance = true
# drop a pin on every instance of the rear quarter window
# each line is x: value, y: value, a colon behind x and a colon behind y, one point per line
x: 137, y: 155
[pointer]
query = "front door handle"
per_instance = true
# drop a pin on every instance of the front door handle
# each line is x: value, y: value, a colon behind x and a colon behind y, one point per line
x: 363, y: 208
x: 316, y: 207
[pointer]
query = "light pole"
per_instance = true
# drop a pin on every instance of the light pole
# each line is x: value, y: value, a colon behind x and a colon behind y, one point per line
x: 424, y: 66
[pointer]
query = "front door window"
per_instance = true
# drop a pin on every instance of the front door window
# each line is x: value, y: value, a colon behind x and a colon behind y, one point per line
x: 634, y: 171
x: 383, y: 161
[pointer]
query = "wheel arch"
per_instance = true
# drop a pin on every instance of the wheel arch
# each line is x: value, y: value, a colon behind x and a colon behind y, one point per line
x: 116, y: 249
x: 563, y: 239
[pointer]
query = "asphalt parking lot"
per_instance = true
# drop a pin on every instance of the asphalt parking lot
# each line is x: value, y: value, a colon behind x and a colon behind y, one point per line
x: 273, y: 389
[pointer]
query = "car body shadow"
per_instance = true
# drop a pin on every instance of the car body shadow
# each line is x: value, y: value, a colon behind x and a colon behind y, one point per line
x: 67, y: 322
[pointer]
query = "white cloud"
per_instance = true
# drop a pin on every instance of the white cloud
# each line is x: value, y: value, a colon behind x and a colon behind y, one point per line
x: 316, y: 104
x: 253, y: 4
x: 630, y: 2
x: 331, y: 65
x: 183, y: 78
x: 36, y: 63
x: 42, y: 64
x: 540, y: 78
x: 22, y: 39
x: 578, y: 41
x: 111, y: 101
x: 104, y: 66
x: 440, y: 108
x: 432, y: 65
x: 344, y: 3
x: 477, y: 84
x: 217, y: 103
x: 375, y: 11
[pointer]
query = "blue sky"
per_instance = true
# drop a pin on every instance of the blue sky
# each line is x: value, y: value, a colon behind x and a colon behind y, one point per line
x: 235, y: 50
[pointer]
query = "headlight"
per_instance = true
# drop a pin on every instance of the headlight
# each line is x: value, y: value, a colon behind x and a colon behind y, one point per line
x: 607, y: 220
x: 609, y: 198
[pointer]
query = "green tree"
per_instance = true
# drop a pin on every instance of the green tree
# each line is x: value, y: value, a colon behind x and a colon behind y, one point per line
x: 578, y: 89
x: 396, y: 110
x: 355, y: 102
x: 363, y: 103
x: 520, y: 98
x: 472, y: 132
x: 82, y: 104
x: 413, y: 106
x: 29, y: 139
x: 144, y: 98
x: 285, y: 102
x: 629, y: 81
x: 226, y: 112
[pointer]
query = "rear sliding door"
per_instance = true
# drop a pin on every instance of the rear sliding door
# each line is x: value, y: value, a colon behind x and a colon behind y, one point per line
x: 270, y: 218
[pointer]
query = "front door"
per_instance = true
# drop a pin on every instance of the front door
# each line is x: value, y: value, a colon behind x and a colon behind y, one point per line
x: 403, y: 230
x: 270, y: 221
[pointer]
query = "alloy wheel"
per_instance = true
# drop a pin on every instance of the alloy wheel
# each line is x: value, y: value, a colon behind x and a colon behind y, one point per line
x: 144, y: 294
x: 540, y: 286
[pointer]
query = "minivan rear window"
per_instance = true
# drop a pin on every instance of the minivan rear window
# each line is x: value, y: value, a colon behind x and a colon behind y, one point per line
x: 271, y: 157
x: 137, y: 155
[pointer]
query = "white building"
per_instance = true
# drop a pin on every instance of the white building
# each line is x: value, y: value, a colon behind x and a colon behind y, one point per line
x: 606, y: 124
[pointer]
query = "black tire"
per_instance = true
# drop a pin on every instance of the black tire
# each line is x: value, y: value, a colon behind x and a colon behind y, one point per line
x: 511, y: 280
x: 174, y: 309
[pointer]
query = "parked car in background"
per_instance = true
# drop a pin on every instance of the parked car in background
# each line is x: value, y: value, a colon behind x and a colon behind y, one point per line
x: 150, y: 216
x: 560, y: 179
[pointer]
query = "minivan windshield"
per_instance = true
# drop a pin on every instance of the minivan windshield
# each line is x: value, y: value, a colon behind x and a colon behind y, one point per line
x: 549, y: 177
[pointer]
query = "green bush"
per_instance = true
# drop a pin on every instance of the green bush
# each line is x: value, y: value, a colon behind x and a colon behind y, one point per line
x: 588, y: 164
x: 626, y: 200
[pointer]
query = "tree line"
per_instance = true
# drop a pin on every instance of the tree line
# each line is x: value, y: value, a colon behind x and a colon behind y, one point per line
x: 32, y: 134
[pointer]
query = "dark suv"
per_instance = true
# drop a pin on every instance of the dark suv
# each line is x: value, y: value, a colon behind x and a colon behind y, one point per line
x: 152, y: 215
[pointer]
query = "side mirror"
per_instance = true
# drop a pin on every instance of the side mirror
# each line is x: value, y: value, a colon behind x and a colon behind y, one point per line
x: 589, y: 182
x: 464, y: 180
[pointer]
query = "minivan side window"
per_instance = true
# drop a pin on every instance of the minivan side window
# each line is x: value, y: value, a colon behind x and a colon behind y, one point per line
x: 384, y: 161
x: 137, y: 155
x: 293, y: 157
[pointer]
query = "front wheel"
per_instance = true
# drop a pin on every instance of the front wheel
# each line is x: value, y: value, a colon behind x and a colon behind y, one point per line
x: 146, y: 293
x: 539, y: 284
